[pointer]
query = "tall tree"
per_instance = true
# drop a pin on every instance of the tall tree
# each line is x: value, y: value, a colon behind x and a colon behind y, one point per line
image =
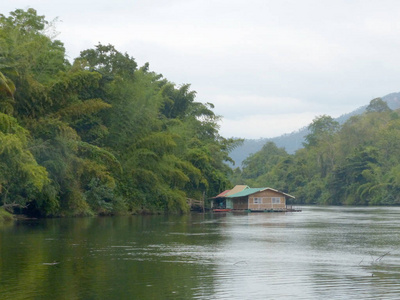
x: 377, y: 105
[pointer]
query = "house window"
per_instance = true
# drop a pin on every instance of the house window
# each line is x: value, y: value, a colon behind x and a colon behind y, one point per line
x: 257, y: 200
x: 276, y: 200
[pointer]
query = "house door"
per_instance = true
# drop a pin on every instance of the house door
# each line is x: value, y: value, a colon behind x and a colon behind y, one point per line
x: 229, y: 203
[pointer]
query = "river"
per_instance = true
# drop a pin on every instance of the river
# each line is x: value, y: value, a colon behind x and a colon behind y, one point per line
x: 319, y: 253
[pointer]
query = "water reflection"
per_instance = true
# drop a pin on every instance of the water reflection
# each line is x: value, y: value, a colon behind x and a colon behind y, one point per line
x: 322, y: 252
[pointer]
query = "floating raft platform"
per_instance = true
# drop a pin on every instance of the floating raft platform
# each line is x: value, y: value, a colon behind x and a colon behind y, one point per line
x: 289, y: 209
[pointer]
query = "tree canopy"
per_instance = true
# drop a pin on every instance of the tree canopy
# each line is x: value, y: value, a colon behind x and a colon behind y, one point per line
x: 99, y: 135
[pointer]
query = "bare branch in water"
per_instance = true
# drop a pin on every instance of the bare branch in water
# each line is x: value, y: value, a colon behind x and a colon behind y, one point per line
x: 382, y: 256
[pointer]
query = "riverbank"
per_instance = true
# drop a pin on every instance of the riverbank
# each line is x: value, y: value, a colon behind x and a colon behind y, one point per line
x: 5, y: 216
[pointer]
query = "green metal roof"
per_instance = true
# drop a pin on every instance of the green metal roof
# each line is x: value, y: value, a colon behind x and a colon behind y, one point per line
x: 250, y: 191
x: 246, y: 192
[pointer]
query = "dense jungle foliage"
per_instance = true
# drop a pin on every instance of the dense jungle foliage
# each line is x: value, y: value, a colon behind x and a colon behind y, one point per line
x: 357, y: 163
x: 99, y: 135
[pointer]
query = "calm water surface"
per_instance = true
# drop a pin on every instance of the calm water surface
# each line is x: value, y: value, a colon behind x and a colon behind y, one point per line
x: 320, y: 253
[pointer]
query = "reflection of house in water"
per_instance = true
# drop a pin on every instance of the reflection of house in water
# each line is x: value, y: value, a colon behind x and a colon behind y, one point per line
x: 244, y: 198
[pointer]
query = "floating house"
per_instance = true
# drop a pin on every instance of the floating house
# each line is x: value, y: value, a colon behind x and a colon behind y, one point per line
x: 244, y: 198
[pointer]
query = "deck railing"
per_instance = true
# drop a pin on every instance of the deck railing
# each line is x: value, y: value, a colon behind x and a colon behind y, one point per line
x: 195, y: 204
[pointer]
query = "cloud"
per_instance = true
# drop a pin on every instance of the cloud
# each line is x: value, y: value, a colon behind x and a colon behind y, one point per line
x: 240, y: 105
x: 263, y: 125
x: 257, y: 117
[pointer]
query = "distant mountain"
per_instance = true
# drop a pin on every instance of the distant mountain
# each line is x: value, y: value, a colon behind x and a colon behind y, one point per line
x: 294, y: 141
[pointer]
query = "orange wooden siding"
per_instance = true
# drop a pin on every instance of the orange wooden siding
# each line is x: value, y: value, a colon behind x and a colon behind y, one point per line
x: 240, y: 203
x: 265, y: 199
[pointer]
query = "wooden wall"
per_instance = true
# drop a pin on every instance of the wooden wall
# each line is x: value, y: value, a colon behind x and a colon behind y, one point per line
x: 240, y: 203
x: 267, y: 201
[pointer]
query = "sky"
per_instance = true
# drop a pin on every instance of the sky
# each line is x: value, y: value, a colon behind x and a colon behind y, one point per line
x: 269, y: 66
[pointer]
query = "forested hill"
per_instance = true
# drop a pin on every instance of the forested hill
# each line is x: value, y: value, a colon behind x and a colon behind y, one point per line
x: 294, y: 141
x: 354, y: 163
x: 101, y: 135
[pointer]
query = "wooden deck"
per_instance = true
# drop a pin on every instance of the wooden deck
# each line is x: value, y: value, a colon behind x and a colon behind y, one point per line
x: 289, y: 208
x: 274, y: 210
x: 195, y: 205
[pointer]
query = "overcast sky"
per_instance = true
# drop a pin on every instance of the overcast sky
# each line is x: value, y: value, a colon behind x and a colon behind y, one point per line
x: 268, y: 66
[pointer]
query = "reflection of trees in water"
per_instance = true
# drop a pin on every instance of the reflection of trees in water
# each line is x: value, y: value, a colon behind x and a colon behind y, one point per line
x: 319, y: 253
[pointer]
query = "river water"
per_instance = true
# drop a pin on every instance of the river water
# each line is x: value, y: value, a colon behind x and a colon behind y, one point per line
x: 319, y: 253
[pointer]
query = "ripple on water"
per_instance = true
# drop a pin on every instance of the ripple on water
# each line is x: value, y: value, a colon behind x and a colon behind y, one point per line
x: 320, y: 253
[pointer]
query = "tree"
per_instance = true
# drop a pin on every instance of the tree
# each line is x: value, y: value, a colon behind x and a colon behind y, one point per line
x: 320, y: 141
x: 7, y: 90
x: 351, y: 182
x: 263, y: 161
x: 31, y: 59
x: 377, y: 105
x: 7, y: 87
x: 322, y: 128
x: 108, y: 61
x: 20, y: 175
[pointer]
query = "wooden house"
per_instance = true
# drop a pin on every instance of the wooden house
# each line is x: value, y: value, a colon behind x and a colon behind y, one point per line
x: 244, y: 198
x: 259, y: 199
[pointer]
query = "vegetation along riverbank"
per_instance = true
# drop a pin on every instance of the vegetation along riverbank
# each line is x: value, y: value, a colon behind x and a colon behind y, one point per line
x: 98, y: 135
x: 5, y: 216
